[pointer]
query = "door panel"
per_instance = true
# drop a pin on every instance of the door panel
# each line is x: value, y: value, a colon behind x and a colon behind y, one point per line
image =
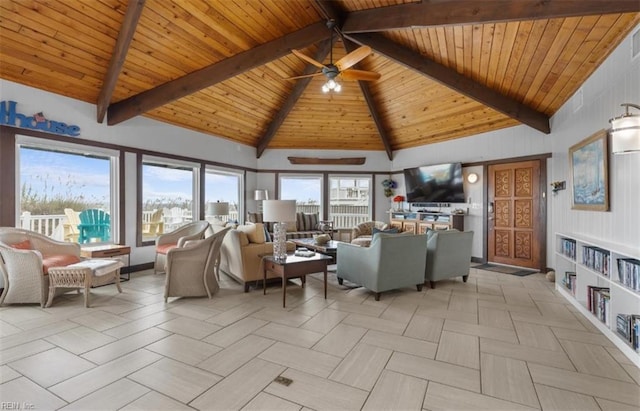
x: 514, y: 230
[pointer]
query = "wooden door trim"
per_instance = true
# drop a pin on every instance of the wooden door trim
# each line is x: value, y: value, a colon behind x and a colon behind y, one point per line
x: 542, y: 203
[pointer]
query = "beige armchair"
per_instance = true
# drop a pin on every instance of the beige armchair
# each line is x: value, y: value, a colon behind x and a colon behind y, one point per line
x: 176, y: 238
x: 25, y: 259
x: 242, y: 251
x: 392, y: 261
x: 362, y: 233
x: 448, y: 255
x: 190, y: 268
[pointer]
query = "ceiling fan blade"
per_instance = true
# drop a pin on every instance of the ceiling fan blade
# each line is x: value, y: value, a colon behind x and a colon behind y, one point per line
x: 307, y: 58
x: 353, y: 57
x: 352, y: 74
x: 304, y: 76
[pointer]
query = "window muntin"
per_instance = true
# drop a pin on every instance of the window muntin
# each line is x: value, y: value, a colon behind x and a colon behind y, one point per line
x: 306, y: 190
x: 56, y: 181
x: 169, y: 196
x: 349, y: 200
x: 223, y: 186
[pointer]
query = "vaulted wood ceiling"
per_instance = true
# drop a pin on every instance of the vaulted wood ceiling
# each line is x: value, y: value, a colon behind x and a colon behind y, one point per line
x: 449, y: 68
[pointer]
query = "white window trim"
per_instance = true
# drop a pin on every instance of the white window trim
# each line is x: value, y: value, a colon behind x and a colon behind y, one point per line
x: 234, y: 173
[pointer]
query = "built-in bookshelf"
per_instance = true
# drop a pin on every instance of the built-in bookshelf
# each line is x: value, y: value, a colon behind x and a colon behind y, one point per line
x: 602, y: 280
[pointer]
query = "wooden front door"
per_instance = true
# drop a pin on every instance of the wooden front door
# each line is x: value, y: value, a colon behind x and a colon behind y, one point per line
x: 515, y: 231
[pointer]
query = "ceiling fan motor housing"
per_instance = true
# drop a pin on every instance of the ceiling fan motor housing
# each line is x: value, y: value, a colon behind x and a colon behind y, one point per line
x: 330, y: 71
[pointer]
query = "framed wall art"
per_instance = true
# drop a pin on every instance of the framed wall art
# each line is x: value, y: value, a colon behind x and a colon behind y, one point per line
x: 588, y: 161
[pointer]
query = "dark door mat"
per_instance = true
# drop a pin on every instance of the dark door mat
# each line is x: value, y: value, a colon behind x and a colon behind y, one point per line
x: 519, y: 271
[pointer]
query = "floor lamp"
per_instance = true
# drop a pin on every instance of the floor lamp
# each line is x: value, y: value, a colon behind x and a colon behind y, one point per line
x: 259, y: 196
x: 279, y: 212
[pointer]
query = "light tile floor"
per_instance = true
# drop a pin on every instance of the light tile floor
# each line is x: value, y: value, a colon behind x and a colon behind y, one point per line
x: 497, y: 342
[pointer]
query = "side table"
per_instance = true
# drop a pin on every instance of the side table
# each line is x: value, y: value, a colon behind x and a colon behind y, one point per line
x: 295, y: 267
x: 108, y: 251
x: 84, y: 274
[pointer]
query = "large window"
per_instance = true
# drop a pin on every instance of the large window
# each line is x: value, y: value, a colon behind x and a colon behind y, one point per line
x: 306, y: 190
x: 66, y: 191
x: 169, y: 195
x: 349, y: 200
x: 225, y: 187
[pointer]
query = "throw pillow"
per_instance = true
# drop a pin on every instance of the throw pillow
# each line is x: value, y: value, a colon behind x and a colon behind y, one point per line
x: 311, y: 221
x: 22, y: 245
x: 393, y: 230
x: 254, y: 232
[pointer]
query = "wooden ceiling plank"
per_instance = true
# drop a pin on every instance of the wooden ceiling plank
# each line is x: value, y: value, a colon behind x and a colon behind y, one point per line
x: 292, y: 99
x: 456, y: 81
x: 473, y: 12
x: 214, y: 73
x: 128, y: 29
x: 373, y: 107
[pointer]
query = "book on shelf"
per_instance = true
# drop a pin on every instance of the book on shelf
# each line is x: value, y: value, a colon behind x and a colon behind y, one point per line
x: 629, y: 272
x: 598, y: 302
x: 569, y: 281
x: 628, y: 327
x: 596, y: 259
x: 568, y: 247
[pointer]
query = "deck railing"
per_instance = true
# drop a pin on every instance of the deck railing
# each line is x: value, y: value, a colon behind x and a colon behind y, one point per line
x: 343, y: 216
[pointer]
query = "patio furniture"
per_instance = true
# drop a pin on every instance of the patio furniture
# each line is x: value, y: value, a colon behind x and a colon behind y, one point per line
x: 94, y: 225
x: 448, y: 255
x: 85, y: 274
x: 177, y: 238
x: 392, y: 261
x: 155, y: 225
x: 362, y: 233
x: 70, y: 227
x: 25, y: 259
x: 190, y: 269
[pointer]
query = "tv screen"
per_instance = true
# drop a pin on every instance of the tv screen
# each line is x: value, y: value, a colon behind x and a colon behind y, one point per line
x: 440, y: 183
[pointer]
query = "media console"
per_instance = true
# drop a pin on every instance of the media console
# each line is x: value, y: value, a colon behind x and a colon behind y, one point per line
x: 420, y: 222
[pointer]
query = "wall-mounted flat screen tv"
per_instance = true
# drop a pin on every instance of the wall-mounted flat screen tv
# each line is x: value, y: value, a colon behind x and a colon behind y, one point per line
x: 439, y: 183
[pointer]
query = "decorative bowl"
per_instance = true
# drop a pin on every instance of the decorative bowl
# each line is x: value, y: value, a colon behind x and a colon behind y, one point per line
x: 321, y: 239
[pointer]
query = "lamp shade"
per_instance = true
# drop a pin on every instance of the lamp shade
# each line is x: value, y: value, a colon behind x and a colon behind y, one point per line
x: 261, y: 195
x: 625, y: 131
x: 218, y: 208
x: 279, y: 210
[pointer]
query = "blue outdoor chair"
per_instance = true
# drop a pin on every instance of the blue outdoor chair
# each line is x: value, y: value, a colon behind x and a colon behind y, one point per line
x: 94, y: 223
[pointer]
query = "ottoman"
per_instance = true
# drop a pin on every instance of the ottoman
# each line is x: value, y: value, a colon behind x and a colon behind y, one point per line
x: 85, y: 274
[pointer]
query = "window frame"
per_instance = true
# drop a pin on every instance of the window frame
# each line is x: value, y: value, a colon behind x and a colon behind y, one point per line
x: 311, y: 176
x: 160, y: 161
x: 370, y: 202
x: 115, y: 174
x: 241, y: 187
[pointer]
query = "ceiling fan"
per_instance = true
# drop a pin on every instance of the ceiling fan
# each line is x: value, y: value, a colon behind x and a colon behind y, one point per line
x: 341, y: 68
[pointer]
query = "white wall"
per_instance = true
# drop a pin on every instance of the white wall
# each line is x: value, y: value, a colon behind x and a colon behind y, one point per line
x: 616, y: 81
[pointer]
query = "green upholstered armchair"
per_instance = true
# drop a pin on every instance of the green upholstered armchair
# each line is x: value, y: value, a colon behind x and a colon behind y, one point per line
x: 391, y: 261
x: 448, y: 255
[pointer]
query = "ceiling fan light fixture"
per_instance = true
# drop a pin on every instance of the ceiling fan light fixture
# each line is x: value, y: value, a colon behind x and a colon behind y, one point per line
x: 325, y: 88
x: 331, y: 85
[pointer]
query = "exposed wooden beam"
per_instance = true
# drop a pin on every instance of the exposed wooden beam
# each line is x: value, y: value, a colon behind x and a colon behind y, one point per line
x: 129, y: 24
x: 215, y: 73
x: 446, y: 12
x: 331, y: 10
x: 292, y: 99
x: 373, y: 108
x: 352, y: 161
x: 454, y: 80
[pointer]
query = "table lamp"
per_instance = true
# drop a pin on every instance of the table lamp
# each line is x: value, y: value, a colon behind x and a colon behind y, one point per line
x: 218, y: 209
x: 279, y: 212
x: 259, y: 196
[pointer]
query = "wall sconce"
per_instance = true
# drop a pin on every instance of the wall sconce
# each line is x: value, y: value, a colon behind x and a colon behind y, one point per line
x: 625, y: 131
x: 558, y: 185
x: 472, y: 178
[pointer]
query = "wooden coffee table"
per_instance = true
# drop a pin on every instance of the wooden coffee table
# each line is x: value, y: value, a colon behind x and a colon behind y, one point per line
x: 295, y: 267
x: 329, y: 248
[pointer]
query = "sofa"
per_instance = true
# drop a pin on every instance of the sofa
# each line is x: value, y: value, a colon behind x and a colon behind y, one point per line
x: 448, y: 255
x: 242, y: 251
x: 25, y: 259
x: 306, y: 225
x: 390, y: 262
